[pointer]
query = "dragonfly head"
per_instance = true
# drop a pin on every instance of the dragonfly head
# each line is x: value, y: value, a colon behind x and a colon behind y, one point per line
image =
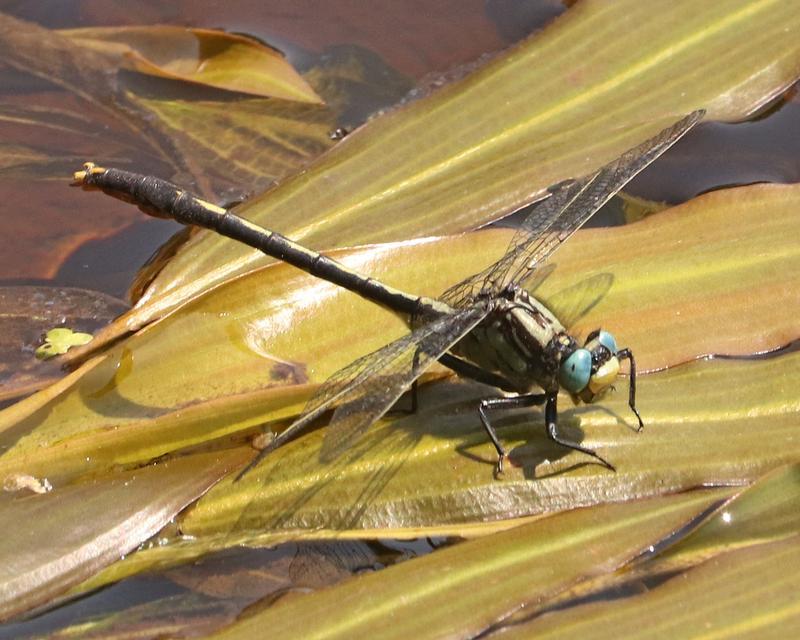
x: 588, y: 371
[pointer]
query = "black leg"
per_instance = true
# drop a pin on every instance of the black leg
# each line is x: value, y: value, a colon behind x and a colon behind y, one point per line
x: 551, y: 418
x: 469, y: 370
x: 504, y: 403
x: 625, y: 354
x: 414, y: 385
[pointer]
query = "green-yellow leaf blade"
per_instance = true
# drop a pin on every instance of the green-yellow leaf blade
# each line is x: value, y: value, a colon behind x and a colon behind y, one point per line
x: 559, y: 105
x: 750, y: 593
x: 460, y: 591
x: 249, y: 352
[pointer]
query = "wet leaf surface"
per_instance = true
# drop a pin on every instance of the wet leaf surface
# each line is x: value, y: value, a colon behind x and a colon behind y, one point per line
x: 766, y: 512
x: 696, y: 431
x: 543, y: 556
x: 758, y: 515
x: 436, y: 466
x: 717, y: 275
x: 745, y: 593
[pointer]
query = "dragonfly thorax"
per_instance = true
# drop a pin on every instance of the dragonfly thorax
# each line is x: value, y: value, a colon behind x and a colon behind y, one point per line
x: 521, y: 340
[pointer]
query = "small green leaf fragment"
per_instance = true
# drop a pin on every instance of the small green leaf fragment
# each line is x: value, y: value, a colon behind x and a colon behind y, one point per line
x: 60, y: 340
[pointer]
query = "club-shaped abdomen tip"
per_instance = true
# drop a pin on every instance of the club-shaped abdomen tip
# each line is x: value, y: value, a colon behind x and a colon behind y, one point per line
x: 82, y: 176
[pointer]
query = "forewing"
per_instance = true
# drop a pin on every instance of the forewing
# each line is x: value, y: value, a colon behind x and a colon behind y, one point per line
x: 366, y: 388
x: 572, y: 303
x: 392, y: 371
x: 491, y: 279
x: 555, y: 219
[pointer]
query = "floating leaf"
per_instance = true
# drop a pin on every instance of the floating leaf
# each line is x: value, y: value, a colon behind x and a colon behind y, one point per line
x: 435, y: 466
x: 559, y: 105
x: 749, y: 593
x: 473, y: 584
x: 203, y: 56
x: 761, y: 513
x: 768, y: 511
x: 764, y: 512
x: 235, y: 359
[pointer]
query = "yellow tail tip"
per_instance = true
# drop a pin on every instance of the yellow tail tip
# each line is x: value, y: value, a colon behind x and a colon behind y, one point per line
x: 89, y: 168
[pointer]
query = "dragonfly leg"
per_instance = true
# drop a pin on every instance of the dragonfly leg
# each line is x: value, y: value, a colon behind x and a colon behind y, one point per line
x: 504, y: 403
x: 626, y: 354
x: 415, y: 384
x: 469, y: 370
x: 412, y: 317
x: 414, y: 396
x: 551, y: 418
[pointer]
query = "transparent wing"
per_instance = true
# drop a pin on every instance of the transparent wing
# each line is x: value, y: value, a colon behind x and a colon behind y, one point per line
x: 369, y: 386
x: 555, y: 219
x: 572, y: 303
x: 402, y: 362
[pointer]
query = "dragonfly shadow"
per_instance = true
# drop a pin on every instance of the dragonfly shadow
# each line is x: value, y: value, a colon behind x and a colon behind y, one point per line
x: 572, y: 303
x: 569, y: 429
x: 341, y: 493
x: 538, y: 451
x: 366, y: 485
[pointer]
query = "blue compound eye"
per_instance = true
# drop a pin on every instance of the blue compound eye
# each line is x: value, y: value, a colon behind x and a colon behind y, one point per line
x: 576, y: 370
x: 607, y: 340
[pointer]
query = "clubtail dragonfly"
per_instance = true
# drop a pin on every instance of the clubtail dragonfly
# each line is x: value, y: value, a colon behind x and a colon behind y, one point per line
x: 487, y: 327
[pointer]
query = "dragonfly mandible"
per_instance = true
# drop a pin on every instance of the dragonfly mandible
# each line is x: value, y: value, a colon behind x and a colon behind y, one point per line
x: 487, y: 327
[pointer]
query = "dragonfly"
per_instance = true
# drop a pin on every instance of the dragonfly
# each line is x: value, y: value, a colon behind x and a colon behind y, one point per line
x: 488, y: 327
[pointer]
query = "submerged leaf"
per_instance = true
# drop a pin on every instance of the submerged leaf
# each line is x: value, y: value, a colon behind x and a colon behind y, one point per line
x: 116, y: 117
x: 26, y: 312
x: 53, y: 541
x: 204, y: 56
x: 248, y: 143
